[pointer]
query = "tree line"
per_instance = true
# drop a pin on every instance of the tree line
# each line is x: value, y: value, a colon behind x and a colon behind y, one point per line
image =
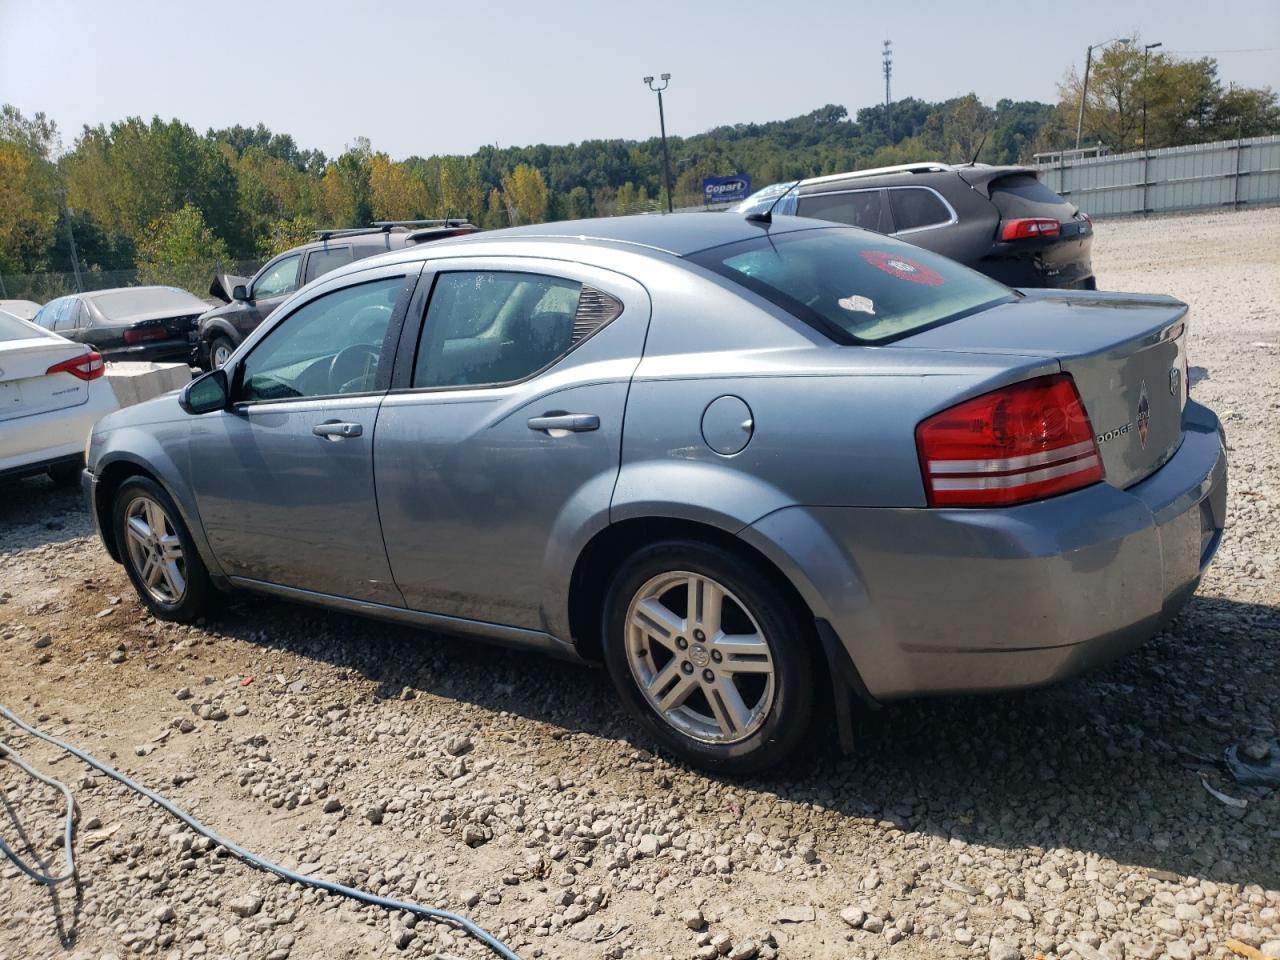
x: 145, y: 195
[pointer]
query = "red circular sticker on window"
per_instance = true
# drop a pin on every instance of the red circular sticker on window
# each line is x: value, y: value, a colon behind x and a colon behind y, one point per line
x: 904, y: 268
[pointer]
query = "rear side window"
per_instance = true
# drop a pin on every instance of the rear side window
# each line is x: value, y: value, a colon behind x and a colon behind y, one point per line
x: 65, y: 318
x: 491, y: 327
x: 853, y: 286
x: 1023, y: 195
x: 320, y: 262
x: 859, y: 209
x: 915, y: 207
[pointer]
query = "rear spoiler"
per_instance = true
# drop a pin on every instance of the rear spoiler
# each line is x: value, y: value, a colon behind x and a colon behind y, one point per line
x: 223, y: 284
x: 980, y: 176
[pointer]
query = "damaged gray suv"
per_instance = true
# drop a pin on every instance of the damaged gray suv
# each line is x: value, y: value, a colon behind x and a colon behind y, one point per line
x: 746, y: 463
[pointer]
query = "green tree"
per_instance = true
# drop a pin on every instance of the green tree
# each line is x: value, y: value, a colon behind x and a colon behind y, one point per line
x: 180, y: 249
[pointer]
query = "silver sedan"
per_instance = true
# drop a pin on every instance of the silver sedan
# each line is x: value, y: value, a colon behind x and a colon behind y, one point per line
x: 751, y: 465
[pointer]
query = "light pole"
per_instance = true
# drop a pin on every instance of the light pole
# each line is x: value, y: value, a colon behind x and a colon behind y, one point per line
x: 662, y: 124
x: 1146, y: 53
x: 1084, y: 86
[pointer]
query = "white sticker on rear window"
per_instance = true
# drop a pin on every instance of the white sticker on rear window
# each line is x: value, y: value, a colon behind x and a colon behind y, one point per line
x: 857, y: 304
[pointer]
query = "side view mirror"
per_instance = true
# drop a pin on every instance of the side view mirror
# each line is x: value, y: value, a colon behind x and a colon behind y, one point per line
x: 205, y: 394
x: 239, y: 292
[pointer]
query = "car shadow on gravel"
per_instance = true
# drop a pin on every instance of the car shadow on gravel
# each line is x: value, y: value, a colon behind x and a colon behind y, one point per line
x: 35, y: 511
x: 1097, y: 764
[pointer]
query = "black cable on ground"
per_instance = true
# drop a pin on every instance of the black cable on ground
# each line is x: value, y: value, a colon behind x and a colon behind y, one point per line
x: 8, y: 753
x: 252, y: 859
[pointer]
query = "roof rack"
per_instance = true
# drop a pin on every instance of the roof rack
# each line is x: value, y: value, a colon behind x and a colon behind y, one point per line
x: 385, y: 226
x: 925, y: 167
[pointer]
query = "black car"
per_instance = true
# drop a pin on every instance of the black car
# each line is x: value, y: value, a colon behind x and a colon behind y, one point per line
x: 1000, y: 220
x: 248, y: 301
x: 127, y: 323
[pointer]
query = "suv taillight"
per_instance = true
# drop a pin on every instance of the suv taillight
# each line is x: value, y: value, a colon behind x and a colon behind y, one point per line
x: 87, y: 366
x: 1030, y: 228
x: 1024, y: 442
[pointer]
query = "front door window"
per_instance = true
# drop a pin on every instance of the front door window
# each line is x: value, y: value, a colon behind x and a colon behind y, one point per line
x: 280, y: 278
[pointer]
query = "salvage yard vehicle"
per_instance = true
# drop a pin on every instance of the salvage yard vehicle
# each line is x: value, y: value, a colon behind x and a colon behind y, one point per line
x: 247, y: 302
x: 127, y: 323
x: 839, y: 451
x: 1001, y: 221
x: 22, y: 309
x: 51, y: 392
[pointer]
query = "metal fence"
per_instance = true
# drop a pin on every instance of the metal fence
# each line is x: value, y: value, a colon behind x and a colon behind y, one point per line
x: 1228, y: 173
x: 195, y: 277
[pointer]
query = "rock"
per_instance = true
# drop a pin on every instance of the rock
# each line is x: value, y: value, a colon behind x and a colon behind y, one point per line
x: 853, y: 916
x: 1015, y: 908
x: 873, y: 924
x: 245, y: 906
x: 576, y: 913
x: 649, y: 845
x: 373, y: 814
x: 870, y: 881
x: 799, y: 914
x: 458, y: 745
x: 401, y: 937
x: 746, y: 950
x: 693, y: 919
x: 723, y: 943
x: 1000, y: 950
x: 117, y: 656
x: 474, y: 834
x: 962, y: 936
x: 332, y: 805
x: 184, y: 693
x: 1271, y: 950
x: 1178, y: 950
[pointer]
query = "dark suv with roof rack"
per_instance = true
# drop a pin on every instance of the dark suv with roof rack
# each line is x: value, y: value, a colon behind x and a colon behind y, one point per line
x: 248, y: 301
x: 1000, y: 220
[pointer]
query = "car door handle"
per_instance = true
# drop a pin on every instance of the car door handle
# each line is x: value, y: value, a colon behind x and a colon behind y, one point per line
x: 566, y: 422
x: 337, y: 430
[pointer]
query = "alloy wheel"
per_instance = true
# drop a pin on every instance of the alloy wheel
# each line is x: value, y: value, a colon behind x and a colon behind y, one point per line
x: 699, y: 657
x: 221, y: 354
x: 155, y: 551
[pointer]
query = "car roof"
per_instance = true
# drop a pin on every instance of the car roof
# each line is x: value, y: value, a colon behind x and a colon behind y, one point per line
x: 680, y: 234
x: 93, y: 294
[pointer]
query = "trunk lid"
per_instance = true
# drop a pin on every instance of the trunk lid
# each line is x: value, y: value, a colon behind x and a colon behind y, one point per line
x: 25, y: 388
x: 1126, y: 353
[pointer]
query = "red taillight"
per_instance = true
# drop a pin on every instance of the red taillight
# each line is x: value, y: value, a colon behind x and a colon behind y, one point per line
x: 1025, y: 442
x: 1029, y: 228
x: 143, y: 334
x: 87, y: 366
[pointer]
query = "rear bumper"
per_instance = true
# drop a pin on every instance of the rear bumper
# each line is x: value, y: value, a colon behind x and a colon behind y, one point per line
x: 159, y: 351
x: 30, y: 445
x: 940, y: 601
x: 1062, y: 265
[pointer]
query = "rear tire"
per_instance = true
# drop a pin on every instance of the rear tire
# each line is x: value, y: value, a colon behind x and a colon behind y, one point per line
x: 158, y: 553
x: 723, y: 680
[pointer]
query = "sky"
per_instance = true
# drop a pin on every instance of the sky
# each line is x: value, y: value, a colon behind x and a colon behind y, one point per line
x: 429, y: 77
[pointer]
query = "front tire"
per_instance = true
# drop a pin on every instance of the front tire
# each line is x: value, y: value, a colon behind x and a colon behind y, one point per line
x: 158, y: 553
x: 220, y: 350
x: 710, y: 656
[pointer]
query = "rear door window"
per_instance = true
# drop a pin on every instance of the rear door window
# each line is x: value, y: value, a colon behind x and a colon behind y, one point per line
x: 485, y: 328
x: 320, y: 262
x: 915, y: 208
x: 860, y: 208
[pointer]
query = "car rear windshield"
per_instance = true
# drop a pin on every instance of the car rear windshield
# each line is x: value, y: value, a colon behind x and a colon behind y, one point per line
x: 854, y: 286
x: 121, y: 306
x: 1023, y: 195
x: 11, y: 328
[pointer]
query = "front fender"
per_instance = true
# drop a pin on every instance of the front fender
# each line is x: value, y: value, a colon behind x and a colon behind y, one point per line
x: 159, y: 450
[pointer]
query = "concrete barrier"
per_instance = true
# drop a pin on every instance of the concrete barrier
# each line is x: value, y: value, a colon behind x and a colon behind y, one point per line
x: 133, y: 382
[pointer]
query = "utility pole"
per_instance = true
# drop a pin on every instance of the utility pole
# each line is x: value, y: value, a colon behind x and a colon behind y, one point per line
x: 1084, y: 86
x: 887, y: 56
x: 662, y: 125
x: 1146, y: 53
x: 75, y: 257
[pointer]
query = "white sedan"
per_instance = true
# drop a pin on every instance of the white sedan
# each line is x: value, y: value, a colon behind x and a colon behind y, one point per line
x: 52, y: 391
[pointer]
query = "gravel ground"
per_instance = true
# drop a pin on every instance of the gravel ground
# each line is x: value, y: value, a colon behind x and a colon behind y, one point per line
x: 1067, y: 822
